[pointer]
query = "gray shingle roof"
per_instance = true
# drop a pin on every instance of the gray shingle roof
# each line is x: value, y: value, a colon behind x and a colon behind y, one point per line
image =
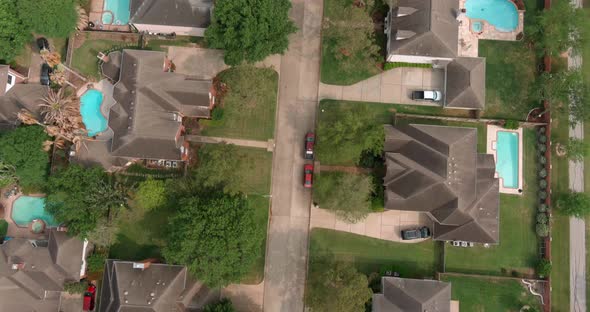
x: 432, y: 27
x: 186, y: 13
x: 20, y: 96
x: 148, y: 98
x: 466, y: 83
x: 412, y: 295
x: 126, y: 288
x: 36, y: 287
x: 437, y: 170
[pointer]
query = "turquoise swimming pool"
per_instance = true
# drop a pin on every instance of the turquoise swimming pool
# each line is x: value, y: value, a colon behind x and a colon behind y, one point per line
x: 500, y: 13
x: 25, y: 209
x: 116, y: 12
x: 93, y: 119
x: 507, y: 158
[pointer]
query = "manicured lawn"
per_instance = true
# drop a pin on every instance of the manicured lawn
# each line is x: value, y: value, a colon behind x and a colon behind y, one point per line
x: 249, y: 106
x: 518, y: 242
x: 370, y: 254
x: 560, y: 296
x: 332, y: 71
x: 490, y: 294
x: 84, y: 58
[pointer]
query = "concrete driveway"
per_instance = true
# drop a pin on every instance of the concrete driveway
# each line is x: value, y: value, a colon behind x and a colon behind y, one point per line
x: 393, y: 86
x: 197, y: 62
x: 385, y: 225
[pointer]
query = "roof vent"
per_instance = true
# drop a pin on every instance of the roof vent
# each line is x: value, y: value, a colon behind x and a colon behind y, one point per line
x: 138, y: 265
x: 125, y: 293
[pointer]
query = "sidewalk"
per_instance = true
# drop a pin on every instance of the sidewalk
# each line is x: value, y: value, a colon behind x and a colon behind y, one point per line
x: 268, y: 145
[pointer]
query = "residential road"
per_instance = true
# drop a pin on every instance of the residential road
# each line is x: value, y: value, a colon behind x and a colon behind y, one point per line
x: 288, y: 233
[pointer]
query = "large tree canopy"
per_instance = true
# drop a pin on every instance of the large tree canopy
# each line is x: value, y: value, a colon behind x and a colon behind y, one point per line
x: 574, y: 204
x: 250, y: 30
x: 22, y: 148
x: 561, y: 28
x: 215, y: 236
x: 220, y: 167
x: 347, y: 194
x: 13, y: 32
x: 81, y: 197
x: 151, y: 194
x: 53, y: 18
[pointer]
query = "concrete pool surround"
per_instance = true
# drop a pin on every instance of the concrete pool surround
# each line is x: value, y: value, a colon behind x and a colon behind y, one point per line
x: 491, y: 148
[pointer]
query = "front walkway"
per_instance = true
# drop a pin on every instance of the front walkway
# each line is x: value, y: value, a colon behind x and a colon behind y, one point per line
x: 385, y: 225
x: 392, y: 86
x: 268, y: 145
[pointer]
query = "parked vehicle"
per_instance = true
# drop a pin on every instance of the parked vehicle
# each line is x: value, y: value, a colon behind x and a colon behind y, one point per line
x: 423, y: 232
x: 309, y: 144
x: 427, y: 95
x: 89, y: 298
x: 45, y: 71
x: 308, y: 176
x: 42, y: 44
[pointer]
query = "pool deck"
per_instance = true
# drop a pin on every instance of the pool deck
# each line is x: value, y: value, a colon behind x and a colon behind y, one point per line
x: 13, y: 229
x: 492, y: 136
x: 469, y: 40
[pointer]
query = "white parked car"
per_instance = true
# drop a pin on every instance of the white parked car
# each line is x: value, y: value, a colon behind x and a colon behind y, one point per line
x: 427, y: 95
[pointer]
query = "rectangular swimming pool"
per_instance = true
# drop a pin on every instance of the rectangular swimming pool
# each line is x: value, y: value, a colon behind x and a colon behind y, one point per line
x: 507, y: 158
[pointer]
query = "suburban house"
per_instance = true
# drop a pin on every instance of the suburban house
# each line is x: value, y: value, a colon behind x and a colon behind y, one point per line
x: 145, y: 286
x: 15, y: 96
x: 412, y: 295
x: 427, y: 32
x: 181, y: 17
x: 145, y: 109
x: 437, y: 170
x: 33, y: 272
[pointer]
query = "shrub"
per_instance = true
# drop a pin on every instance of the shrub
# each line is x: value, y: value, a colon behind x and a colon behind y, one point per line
x: 542, y: 230
x: 542, y: 130
x: 543, y: 173
x: 511, y: 124
x: 75, y: 287
x: 542, y: 195
x: 542, y: 218
x: 542, y: 208
x: 542, y: 148
x: 151, y: 194
x: 574, y: 204
x: 217, y: 113
x: 542, y: 138
x: 543, y: 183
x: 542, y: 160
x: 544, y: 268
x: 96, y: 262
x: 393, y: 65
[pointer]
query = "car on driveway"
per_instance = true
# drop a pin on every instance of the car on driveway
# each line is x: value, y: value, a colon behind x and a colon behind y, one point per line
x: 42, y: 44
x: 309, y: 144
x: 89, y: 298
x: 427, y: 95
x: 45, y: 71
x: 308, y: 175
x: 423, y: 232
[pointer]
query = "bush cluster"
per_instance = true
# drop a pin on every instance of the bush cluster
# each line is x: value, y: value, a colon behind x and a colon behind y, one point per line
x: 542, y: 226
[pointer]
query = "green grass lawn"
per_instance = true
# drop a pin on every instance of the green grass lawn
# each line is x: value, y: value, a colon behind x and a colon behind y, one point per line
x: 84, y: 58
x: 249, y: 106
x: 163, y: 44
x: 3, y: 228
x: 489, y: 294
x: 371, y: 254
x: 360, y: 67
x: 518, y: 242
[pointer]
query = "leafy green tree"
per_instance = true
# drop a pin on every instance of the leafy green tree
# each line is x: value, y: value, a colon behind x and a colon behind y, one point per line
x: 104, y: 233
x: 544, y: 268
x: 338, y: 287
x: 224, y: 305
x: 220, y: 166
x: 14, y: 34
x: 151, y: 194
x: 567, y: 87
x: 576, y: 149
x: 96, y: 262
x: 348, y: 134
x: 81, y: 197
x: 250, y: 30
x: 53, y: 18
x: 7, y: 174
x: 560, y: 28
x: 347, y: 194
x: 574, y: 204
x: 215, y: 236
x: 22, y: 148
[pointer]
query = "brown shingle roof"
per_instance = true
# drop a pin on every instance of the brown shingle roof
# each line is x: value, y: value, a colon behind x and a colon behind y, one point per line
x: 412, y: 295
x: 466, y: 83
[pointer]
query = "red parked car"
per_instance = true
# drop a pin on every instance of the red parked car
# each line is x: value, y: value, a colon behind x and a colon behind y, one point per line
x: 89, y: 297
x: 309, y: 143
x: 308, y: 175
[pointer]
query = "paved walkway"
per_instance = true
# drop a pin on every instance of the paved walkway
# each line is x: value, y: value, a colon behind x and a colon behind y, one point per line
x: 288, y: 233
x: 268, y: 145
x: 385, y: 225
x: 391, y: 86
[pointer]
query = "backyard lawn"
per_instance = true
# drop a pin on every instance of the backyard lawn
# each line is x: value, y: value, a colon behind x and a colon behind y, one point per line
x: 163, y: 44
x: 247, y: 110
x: 518, y: 242
x: 84, y: 58
x: 490, y: 294
x: 371, y: 254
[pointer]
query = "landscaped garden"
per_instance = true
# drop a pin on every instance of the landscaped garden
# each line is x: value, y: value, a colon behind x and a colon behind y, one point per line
x: 490, y: 294
x: 247, y: 109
